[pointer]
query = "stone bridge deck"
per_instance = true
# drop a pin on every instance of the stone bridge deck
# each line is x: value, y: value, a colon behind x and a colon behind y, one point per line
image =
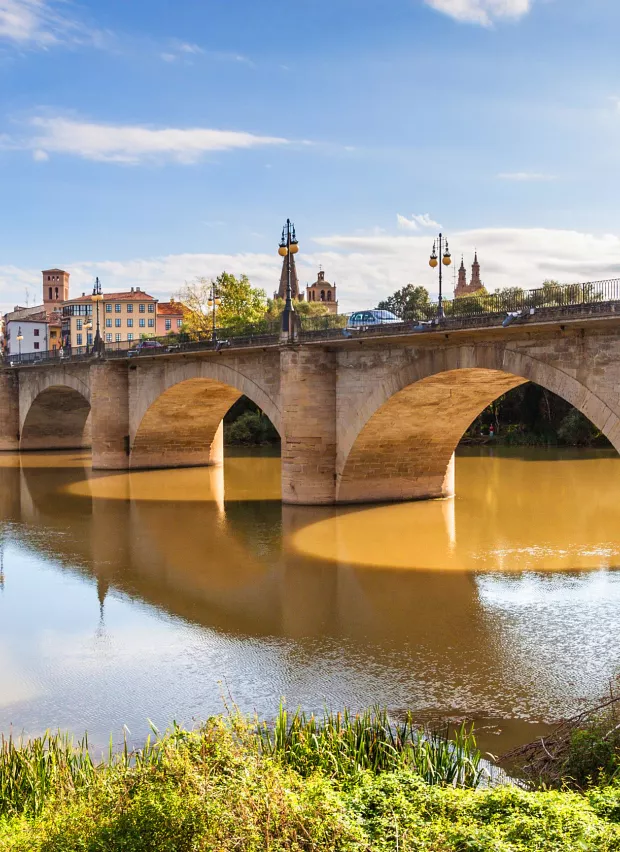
x: 374, y: 416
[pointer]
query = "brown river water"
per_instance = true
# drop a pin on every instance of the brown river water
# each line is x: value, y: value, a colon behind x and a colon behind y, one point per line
x: 159, y: 595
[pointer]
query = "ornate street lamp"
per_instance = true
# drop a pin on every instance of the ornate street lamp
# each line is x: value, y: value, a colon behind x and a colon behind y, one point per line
x: 97, y: 297
x: 446, y: 260
x: 288, y: 246
x: 20, y: 337
x: 214, y: 301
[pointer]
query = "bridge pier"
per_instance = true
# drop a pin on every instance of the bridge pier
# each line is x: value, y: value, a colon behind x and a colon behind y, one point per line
x: 308, y: 402
x: 9, y: 410
x: 110, y: 415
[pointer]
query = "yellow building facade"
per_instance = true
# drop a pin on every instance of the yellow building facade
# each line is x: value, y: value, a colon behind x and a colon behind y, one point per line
x: 123, y: 318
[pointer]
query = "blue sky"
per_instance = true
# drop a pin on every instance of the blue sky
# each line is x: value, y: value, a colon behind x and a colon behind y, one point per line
x: 152, y: 142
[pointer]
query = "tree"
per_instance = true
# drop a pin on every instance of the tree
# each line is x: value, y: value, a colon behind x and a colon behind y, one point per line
x: 240, y: 305
x: 275, y: 307
x: 410, y: 303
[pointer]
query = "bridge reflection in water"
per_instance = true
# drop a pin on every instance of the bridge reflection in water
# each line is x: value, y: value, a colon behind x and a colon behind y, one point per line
x: 141, y: 595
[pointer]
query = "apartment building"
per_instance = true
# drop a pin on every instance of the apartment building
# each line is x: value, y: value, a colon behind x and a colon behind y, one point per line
x: 123, y: 318
x: 170, y: 317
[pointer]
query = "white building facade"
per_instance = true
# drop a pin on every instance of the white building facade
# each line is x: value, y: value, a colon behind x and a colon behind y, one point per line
x: 35, y: 335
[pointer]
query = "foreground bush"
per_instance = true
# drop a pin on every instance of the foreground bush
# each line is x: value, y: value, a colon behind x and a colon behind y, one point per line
x: 218, y: 789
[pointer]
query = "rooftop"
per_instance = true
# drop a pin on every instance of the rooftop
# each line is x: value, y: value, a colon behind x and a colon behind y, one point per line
x: 172, y: 308
x: 129, y: 296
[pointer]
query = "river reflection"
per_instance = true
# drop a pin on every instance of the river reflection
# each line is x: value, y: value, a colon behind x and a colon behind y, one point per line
x: 127, y: 597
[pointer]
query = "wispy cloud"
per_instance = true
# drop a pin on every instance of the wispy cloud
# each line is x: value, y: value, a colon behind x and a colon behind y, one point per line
x: 416, y: 222
x: 483, y: 12
x: 43, y: 24
x: 525, y: 177
x: 186, y: 52
x: 131, y: 144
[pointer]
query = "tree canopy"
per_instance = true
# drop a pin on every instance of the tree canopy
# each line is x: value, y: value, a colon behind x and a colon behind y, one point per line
x: 409, y: 303
x: 240, y: 303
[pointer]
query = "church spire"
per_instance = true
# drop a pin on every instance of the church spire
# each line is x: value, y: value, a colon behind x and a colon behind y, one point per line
x: 461, y: 287
x: 281, y: 294
x: 476, y: 283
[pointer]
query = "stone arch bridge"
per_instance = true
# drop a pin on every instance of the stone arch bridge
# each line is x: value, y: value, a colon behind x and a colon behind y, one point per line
x: 362, y: 419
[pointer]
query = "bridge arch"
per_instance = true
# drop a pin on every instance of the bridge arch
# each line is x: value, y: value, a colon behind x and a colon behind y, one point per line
x: 178, y: 418
x: 54, y: 411
x: 400, y: 443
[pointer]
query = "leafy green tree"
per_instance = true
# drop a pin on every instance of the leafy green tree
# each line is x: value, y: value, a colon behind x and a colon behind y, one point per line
x: 304, y: 309
x: 410, y: 303
x: 240, y: 303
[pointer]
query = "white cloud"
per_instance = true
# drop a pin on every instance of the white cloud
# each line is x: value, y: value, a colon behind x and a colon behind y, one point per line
x: 186, y: 47
x: 422, y: 220
x: 525, y: 177
x: 40, y: 156
x: 366, y: 268
x: 133, y: 143
x: 483, y: 12
x: 42, y: 23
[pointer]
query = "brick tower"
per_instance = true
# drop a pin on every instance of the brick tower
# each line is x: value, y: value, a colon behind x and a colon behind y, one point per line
x: 55, y: 288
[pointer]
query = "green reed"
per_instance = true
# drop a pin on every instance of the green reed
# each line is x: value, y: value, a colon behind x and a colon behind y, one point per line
x: 31, y: 770
x: 343, y: 745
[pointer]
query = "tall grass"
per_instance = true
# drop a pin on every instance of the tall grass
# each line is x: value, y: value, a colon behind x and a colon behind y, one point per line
x: 343, y: 745
x: 33, y: 769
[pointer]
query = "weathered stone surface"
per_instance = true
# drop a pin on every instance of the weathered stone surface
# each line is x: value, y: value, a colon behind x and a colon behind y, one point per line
x: 308, y: 395
x: 110, y: 405
x: 9, y: 411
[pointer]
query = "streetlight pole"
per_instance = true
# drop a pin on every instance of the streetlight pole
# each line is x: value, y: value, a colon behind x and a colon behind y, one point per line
x: 214, y: 301
x: 288, y: 247
x: 97, y: 298
x: 20, y: 337
x: 446, y: 260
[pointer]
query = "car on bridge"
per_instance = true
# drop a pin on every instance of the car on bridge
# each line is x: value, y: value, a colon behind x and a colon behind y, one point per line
x: 146, y: 346
x: 363, y: 320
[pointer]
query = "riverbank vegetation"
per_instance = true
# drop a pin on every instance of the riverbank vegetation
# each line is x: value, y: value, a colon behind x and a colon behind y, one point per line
x: 350, y: 783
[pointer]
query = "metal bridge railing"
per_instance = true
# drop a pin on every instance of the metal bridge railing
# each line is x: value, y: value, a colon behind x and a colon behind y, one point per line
x: 262, y: 334
x: 477, y: 310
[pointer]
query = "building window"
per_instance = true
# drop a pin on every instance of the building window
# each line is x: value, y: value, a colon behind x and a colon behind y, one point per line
x: 50, y: 290
x: 151, y: 323
x: 130, y: 308
x: 130, y: 336
x: 53, y: 334
x: 78, y: 339
x: 117, y: 337
x: 108, y: 308
x: 141, y: 322
x: 108, y: 338
x: 89, y: 339
x: 151, y: 308
x: 108, y: 322
x: 168, y: 324
x: 179, y: 323
x: 142, y: 309
x: 329, y: 295
x: 130, y: 323
x: 78, y: 325
x: 36, y: 345
x: 36, y: 332
x: 117, y: 322
x: 117, y: 308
